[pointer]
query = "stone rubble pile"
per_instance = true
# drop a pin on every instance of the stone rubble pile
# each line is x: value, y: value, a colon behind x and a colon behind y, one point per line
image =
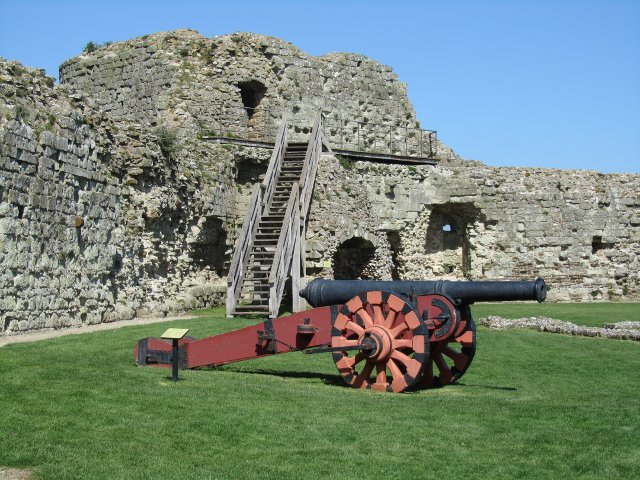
x: 623, y: 325
x: 618, y: 331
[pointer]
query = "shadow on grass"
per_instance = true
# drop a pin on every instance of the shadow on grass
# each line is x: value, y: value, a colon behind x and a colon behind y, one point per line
x: 330, y: 379
x: 326, y: 378
x: 488, y: 387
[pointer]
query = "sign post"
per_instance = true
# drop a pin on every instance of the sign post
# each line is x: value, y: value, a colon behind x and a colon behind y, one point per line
x: 175, y: 334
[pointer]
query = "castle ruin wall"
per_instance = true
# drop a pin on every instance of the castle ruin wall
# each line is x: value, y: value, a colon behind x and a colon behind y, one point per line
x: 113, y: 203
x: 579, y: 230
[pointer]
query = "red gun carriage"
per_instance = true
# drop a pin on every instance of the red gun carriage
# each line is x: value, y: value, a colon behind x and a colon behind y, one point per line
x: 383, y: 335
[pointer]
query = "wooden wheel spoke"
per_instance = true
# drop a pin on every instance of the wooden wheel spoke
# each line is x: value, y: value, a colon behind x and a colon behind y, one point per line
x: 395, y: 371
x: 378, y: 316
x: 404, y: 343
x: 381, y: 373
x: 391, y: 317
x: 351, y: 362
x: 442, y: 365
x: 450, y: 352
x: 366, y: 319
x: 354, y: 327
x: 363, y: 376
x: 397, y: 330
x: 459, y: 358
x: 402, y: 358
x: 428, y: 373
x: 358, y: 358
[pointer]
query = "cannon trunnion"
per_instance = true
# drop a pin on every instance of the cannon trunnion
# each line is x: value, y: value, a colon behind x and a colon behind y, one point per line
x: 385, y: 336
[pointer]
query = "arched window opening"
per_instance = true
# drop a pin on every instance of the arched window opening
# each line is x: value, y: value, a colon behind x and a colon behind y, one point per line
x: 252, y: 93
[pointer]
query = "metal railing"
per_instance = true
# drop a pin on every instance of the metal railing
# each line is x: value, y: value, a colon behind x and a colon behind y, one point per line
x: 384, y: 139
x: 261, y: 124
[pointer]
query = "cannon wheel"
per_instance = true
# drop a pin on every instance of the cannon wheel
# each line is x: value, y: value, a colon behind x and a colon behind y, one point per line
x: 449, y: 360
x: 397, y: 333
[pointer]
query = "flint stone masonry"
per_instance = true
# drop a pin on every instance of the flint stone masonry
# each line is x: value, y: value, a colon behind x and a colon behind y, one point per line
x: 58, y: 209
x: 96, y: 223
x: 196, y: 80
x: 113, y: 205
x: 579, y: 230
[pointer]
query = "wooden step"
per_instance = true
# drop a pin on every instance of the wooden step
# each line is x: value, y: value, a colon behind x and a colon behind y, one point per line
x: 251, y: 310
x: 262, y: 301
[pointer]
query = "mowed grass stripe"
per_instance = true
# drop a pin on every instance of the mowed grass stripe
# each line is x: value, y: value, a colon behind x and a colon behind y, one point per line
x: 532, y: 405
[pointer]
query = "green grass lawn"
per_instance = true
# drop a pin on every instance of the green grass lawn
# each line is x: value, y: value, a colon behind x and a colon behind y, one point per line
x: 532, y: 405
x: 589, y: 314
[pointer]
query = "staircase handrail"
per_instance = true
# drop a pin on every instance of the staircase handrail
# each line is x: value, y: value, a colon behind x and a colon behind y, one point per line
x: 289, y: 235
x: 242, y: 249
x: 310, y: 168
x: 275, y: 163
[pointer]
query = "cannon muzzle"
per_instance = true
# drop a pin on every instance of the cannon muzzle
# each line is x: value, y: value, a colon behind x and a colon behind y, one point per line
x: 321, y: 292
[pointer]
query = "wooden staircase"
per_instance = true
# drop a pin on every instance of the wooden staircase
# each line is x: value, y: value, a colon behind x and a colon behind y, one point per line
x: 270, y: 247
x: 256, y: 281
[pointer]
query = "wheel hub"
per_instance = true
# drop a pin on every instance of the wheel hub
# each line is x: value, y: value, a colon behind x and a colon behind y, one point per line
x: 391, y: 338
x: 380, y: 340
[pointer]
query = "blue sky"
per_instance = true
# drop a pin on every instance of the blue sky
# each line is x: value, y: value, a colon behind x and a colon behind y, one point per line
x: 526, y: 83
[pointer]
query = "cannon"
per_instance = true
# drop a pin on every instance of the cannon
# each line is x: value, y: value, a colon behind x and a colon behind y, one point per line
x: 382, y: 335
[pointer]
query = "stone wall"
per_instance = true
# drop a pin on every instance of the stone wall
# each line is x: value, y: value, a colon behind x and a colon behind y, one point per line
x: 113, y: 205
x: 196, y: 83
x: 143, y: 78
x: 579, y: 230
x: 58, y: 209
x: 103, y: 220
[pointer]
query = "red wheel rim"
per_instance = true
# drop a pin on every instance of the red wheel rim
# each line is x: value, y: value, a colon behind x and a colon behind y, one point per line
x: 395, y: 328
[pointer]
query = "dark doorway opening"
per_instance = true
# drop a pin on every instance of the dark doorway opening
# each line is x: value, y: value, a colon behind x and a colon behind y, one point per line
x: 352, y: 259
x: 448, y: 235
x: 396, y: 246
x: 209, y: 248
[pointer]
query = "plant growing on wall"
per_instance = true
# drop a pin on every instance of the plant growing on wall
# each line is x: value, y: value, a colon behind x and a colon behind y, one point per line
x: 93, y: 46
x: 168, y: 142
x: 345, y: 162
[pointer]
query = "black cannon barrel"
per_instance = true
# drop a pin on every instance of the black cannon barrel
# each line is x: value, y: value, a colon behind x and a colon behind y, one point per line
x: 321, y: 292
